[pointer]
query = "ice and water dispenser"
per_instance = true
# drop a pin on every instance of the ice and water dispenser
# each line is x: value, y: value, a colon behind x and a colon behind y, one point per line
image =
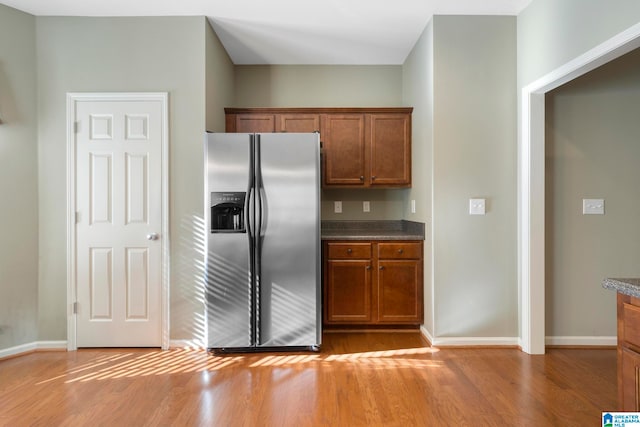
x: 227, y: 212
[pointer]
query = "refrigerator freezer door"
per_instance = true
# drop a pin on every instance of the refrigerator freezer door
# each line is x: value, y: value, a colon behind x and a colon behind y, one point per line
x: 289, y: 287
x: 228, y: 293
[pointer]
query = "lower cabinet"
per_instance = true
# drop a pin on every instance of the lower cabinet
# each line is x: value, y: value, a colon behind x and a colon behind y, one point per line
x: 628, y: 353
x: 373, y: 283
x: 630, y: 369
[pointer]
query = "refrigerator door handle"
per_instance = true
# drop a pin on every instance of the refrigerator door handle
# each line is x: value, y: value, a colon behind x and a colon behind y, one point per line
x: 262, y: 203
x: 253, y: 261
x: 260, y: 193
x: 248, y: 213
x: 249, y: 208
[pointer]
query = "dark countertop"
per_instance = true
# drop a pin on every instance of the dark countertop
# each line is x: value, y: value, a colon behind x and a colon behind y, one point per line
x: 372, y: 230
x: 629, y: 287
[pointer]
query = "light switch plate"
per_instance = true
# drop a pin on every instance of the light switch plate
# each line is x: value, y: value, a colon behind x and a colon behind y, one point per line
x: 477, y: 206
x: 593, y: 206
x: 337, y: 206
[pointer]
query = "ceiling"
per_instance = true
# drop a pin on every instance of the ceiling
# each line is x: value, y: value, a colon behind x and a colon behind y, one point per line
x: 295, y: 31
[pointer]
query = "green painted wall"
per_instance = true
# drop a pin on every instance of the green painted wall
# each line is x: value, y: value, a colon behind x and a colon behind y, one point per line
x: 474, y: 156
x: 18, y: 179
x: 417, y: 91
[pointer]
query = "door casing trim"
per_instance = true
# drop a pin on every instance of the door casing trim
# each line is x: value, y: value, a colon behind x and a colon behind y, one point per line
x: 72, y: 99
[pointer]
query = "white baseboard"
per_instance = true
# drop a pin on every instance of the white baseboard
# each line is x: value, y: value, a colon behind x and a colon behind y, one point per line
x: 17, y: 350
x: 611, y: 341
x: 476, y: 342
x: 186, y: 344
x: 32, y: 346
x: 581, y: 341
x: 427, y: 334
x: 51, y: 345
x: 62, y: 345
x: 469, y: 341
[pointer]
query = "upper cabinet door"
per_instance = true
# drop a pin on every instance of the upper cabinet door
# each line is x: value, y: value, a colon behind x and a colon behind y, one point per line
x: 300, y: 123
x: 344, y: 149
x: 255, y: 123
x: 389, y: 136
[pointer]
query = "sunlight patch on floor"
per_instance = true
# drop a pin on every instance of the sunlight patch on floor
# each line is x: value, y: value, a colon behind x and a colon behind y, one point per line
x: 129, y: 364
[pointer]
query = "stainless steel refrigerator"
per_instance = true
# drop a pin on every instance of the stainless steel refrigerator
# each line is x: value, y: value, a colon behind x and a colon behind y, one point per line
x: 262, y: 266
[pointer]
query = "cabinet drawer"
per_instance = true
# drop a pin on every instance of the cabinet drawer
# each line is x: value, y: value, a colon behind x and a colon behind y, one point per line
x: 399, y: 250
x: 349, y: 250
x: 631, y: 314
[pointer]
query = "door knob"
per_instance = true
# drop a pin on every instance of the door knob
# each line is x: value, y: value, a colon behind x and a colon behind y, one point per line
x: 152, y: 236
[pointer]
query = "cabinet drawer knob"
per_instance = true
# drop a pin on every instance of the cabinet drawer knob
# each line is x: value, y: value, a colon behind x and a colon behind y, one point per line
x: 382, y: 267
x: 400, y: 251
x: 373, y: 177
x: 349, y: 250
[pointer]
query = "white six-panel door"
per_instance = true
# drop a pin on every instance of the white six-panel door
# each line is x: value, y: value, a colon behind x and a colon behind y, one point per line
x: 119, y: 224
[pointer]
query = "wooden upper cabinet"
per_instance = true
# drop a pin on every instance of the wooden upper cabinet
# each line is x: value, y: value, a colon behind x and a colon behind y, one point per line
x: 390, y: 145
x: 343, y: 149
x: 361, y: 147
x: 378, y: 157
x: 300, y: 123
x: 255, y: 123
x: 264, y: 121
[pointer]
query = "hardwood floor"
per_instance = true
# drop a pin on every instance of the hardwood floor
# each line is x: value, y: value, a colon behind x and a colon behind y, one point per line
x: 359, y: 379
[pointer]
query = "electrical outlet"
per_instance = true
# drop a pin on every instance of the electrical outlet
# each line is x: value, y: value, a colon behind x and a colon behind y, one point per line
x: 413, y: 206
x: 476, y: 206
x: 593, y: 206
x: 337, y: 206
x: 366, y: 206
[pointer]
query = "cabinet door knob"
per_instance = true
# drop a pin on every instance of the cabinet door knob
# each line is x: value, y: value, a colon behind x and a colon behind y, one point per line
x: 368, y: 267
x: 349, y: 250
x: 400, y: 251
x: 361, y: 177
x: 373, y: 177
x: 382, y: 267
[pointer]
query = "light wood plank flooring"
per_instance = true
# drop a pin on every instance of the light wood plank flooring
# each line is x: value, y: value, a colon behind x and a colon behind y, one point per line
x: 358, y: 379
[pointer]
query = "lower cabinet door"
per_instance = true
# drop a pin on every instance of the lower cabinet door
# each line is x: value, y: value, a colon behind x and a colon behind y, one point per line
x: 400, y: 291
x: 631, y: 380
x: 348, y: 291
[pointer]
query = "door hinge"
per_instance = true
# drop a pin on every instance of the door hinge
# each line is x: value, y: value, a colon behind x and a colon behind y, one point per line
x: 74, y: 307
x: 76, y: 127
x: 77, y: 218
